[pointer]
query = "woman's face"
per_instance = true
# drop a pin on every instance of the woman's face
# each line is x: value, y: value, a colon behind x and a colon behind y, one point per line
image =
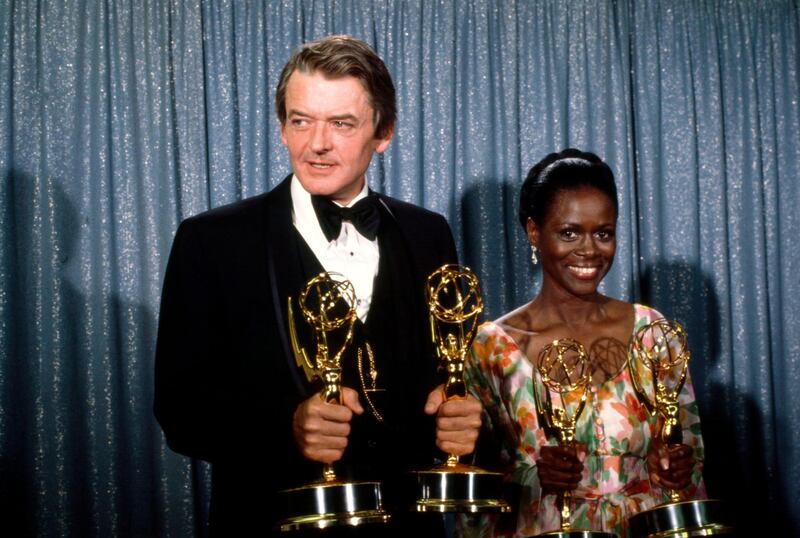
x: 577, y: 240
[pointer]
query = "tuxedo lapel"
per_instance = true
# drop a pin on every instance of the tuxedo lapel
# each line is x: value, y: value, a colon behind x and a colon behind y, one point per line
x: 402, y: 243
x: 284, y: 268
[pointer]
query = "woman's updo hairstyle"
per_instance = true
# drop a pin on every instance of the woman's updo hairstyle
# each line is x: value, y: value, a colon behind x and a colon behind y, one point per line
x: 569, y: 169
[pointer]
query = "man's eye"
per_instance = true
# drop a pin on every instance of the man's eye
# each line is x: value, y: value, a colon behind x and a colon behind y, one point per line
x: 342, y: 124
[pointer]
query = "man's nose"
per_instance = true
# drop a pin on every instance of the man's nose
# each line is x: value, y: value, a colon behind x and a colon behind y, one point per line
x: 320, y: 138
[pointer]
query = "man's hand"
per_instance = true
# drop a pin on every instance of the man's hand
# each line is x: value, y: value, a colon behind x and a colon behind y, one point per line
x: 458, y: 421
x: 670, y: 466
x: 321, y: 429
x: 560, y: 467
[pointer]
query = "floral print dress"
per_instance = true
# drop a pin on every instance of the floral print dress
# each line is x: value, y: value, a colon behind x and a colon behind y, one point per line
x: 615, y: 427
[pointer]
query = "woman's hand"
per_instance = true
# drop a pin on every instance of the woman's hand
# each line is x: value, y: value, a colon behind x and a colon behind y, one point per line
x: 670, y: 466
x: 560, y: 468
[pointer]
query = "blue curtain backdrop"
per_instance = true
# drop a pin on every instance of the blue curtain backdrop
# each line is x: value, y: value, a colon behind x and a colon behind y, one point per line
x: 120, y: 118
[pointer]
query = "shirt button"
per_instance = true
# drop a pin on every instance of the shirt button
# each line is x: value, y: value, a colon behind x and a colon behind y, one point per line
x: 372, y: 443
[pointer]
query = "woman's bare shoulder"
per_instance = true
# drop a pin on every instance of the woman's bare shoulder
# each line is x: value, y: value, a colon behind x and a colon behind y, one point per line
x: 519, y: 319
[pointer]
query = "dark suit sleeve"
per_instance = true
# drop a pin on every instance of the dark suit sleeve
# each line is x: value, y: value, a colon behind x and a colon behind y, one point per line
x: 189, y: 405
x: 440, y: 241
x: 448, y: 245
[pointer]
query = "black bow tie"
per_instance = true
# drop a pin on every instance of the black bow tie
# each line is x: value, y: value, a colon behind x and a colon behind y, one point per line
x: 364, y: 215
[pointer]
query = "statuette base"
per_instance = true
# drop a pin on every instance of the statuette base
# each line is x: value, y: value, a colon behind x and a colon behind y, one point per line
x: 576, y: 534
x: 459, y: 488
x: 681, y: 520
x: 328, y: 504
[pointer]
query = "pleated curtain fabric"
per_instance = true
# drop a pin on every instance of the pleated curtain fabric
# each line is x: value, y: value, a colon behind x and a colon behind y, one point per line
x: 120, y: 118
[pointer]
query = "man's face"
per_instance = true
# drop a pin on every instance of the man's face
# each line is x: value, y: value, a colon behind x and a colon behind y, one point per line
x: 329, y: 133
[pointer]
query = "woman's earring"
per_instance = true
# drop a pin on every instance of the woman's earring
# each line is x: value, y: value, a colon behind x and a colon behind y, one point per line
x: 534, y: 259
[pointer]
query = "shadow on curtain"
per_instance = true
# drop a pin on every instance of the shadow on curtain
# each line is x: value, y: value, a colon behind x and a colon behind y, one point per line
x: 733, y: 423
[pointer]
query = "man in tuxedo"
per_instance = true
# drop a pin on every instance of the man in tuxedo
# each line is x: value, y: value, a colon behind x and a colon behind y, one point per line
x: 227, y: 388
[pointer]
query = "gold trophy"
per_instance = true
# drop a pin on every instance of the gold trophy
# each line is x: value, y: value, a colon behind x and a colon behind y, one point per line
x: 328, y: 307
x: 454, y: 305
x: 658, y: 364
x: 564, y: 370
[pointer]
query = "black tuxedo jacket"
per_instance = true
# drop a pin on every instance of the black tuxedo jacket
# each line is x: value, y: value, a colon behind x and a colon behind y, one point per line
x: 226, y: 383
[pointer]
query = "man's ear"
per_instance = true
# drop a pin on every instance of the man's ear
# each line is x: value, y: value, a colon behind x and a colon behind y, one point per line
x: 283, y: 132
x: 384, y: 141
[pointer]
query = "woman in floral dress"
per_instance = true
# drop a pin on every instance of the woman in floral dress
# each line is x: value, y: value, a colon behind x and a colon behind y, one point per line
x: 568, y: 207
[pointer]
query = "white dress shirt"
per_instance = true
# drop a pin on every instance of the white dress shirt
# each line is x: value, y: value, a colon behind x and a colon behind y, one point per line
x: 351, y: 254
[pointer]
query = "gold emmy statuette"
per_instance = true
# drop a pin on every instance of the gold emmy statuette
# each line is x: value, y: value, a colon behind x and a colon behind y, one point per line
x: 565, y: 372
x: 658, y: 362
x: 454, y: 304
x: 328, y: 307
